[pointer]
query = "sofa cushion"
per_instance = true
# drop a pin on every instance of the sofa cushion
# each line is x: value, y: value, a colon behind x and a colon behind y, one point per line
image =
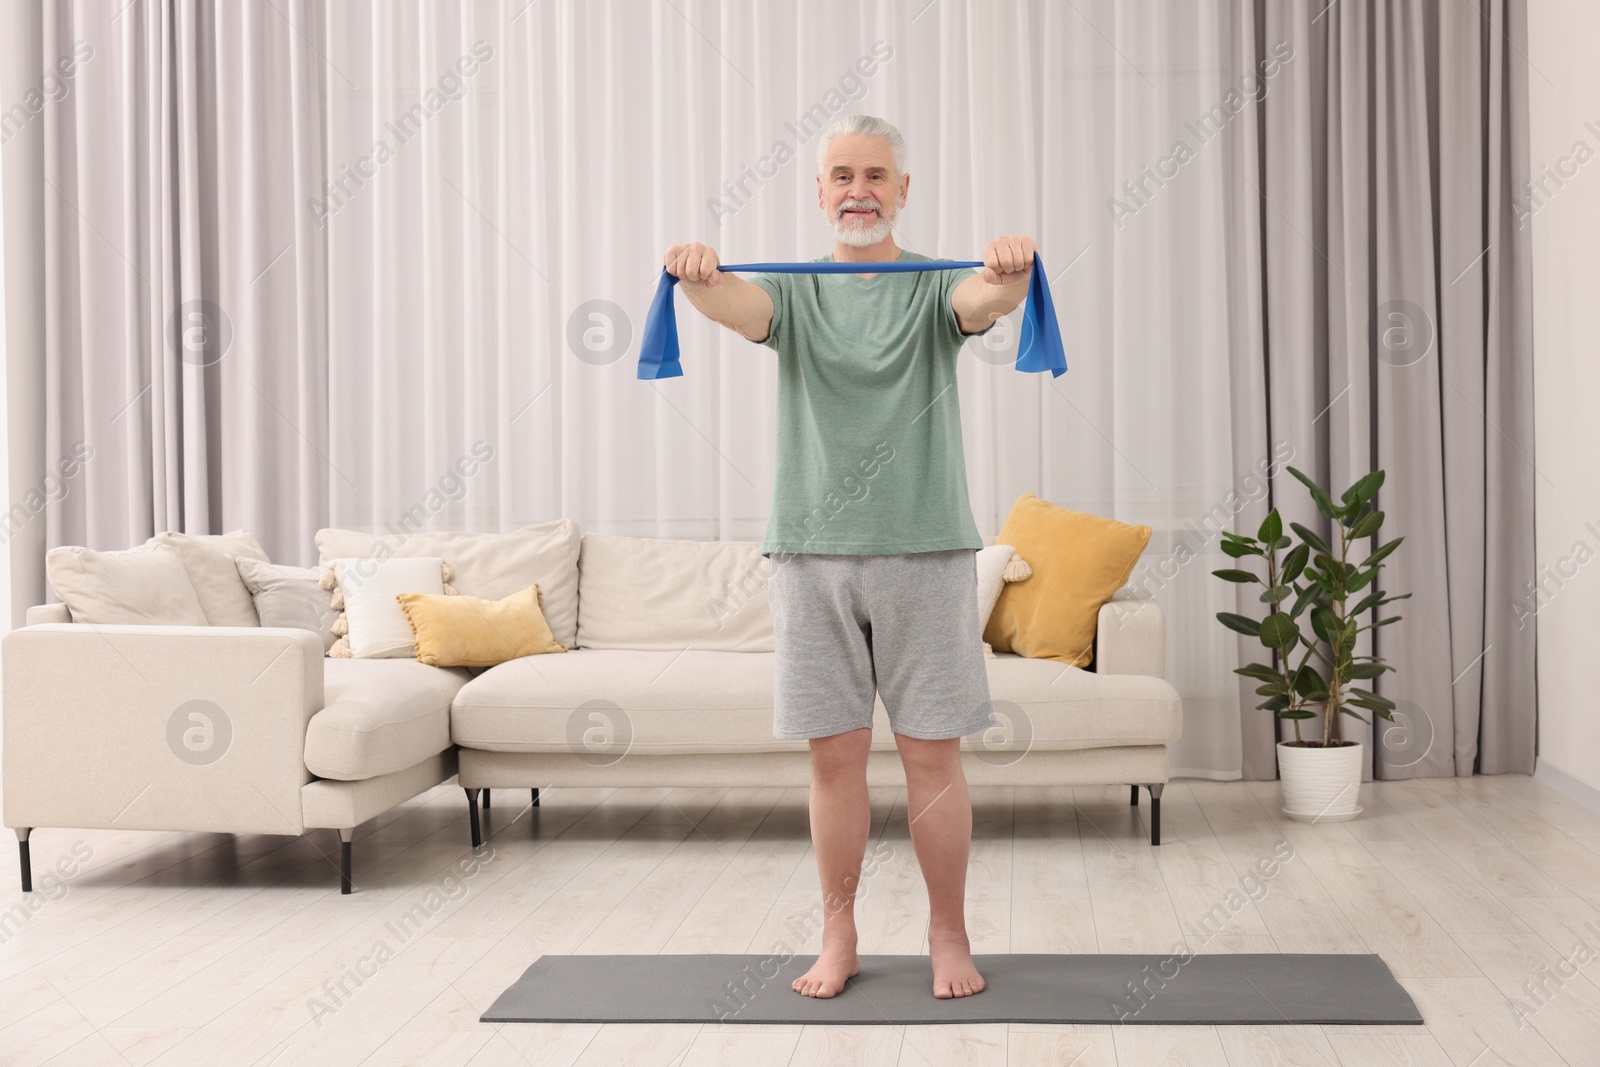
x: 289, y: 596
x: 379, y: 716
x: 668, y: 595
x: 490, y: 565
x: 145, y: 585
x: 666, y: 702
x: 211, y: 560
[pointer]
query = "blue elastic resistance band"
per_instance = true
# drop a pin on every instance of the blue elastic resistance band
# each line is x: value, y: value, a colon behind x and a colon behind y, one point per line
x: 1038, y: 349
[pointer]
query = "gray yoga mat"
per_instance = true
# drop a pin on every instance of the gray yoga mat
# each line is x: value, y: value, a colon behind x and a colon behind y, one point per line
x: 1245, y: 988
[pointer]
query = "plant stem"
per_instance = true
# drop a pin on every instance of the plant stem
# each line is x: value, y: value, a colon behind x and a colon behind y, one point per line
x: 1334, y: 728
x: 1283, y: 652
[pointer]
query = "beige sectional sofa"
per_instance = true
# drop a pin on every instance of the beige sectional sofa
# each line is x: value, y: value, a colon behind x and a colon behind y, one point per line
x: 667, y: 682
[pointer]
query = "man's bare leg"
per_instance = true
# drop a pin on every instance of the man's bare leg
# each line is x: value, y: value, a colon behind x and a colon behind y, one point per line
x: 941, y: 832
x: 840, y: 820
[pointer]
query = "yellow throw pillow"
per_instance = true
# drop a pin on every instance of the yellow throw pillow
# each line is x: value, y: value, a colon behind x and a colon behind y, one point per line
x: 469, y: 631
x: 1079, y: 560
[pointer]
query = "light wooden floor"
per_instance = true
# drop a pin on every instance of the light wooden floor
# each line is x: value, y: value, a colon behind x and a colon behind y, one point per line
x: 205, y: 949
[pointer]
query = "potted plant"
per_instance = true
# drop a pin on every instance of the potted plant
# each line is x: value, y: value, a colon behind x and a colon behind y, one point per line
x: 1315, y: 583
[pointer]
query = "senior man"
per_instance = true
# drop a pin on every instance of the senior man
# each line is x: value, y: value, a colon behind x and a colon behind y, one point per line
x: 871, y: 543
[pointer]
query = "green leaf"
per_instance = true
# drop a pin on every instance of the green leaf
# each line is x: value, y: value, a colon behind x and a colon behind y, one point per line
x: 1367, y: 670
x: 1259, y: 671
x: 1307, y: 595
x: 1368, y: 699
x: 1275, y: 594
x: 1294, y: 563
x: 1323, y: 585
x: 1240, y: 623
x: 1278, y: 703
x: 1369, y: 601
x: 1386, y: 622
x: 1271, y: 527
x: 1273, y: 689
x: 1367, y: 526
x: 1297, y: 713
x: 1382, y: 552
x: 1279, y: 631
x: 1353, y: 714
x: 1307, y: 681
x: 1237, y: 576
x: 1324, y: 502
x: 1364, y: 489
x: 1310, y: 537
x: 1282, y: 542
x: 1361, y: 579
x: 1239, y: 551
x: 1325, y: 623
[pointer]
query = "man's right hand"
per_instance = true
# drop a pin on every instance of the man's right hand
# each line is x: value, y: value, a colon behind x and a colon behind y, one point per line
x: 694, y: 265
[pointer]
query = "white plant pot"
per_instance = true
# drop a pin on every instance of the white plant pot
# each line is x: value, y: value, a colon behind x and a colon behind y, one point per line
x: 1320, y: 784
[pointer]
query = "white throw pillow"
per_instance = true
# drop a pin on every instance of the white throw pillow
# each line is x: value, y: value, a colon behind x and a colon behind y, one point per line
x: 991, y: 568
x: 146, y: 585
x: 379, y: 628
x: 488, y: 565
x: 210, y: 561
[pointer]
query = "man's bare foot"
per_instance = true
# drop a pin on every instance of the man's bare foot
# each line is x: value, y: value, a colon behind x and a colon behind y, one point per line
x: 954, y: 974
x: 836, y: 963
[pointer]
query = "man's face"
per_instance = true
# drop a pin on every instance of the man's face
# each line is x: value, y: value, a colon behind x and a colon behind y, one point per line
x: 858, y: 189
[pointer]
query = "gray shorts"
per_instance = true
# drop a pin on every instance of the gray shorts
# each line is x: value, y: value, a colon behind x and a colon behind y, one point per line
x: 847, y: 627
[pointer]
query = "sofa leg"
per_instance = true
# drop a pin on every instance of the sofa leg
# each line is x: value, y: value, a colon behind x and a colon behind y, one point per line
x: 536, y: 798
x: 486, y: 793
x: 345, y: 837
x: 472, y: 817
x: 24, y: 858
x: 1155, y: 814
x: 1133, y: 801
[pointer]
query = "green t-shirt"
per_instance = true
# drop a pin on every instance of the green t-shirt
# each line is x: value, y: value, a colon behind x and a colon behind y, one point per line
x: 869, y: 458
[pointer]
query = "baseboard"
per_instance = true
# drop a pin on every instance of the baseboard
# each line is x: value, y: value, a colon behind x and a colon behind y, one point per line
x: 1567, y: 783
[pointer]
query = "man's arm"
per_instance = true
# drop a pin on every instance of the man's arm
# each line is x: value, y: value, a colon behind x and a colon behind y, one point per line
x: 743, y: 307
x: 995, y: 291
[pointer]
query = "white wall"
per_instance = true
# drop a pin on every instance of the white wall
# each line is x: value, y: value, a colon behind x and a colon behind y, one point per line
x: 1564, y: 144
x: 22, y: 320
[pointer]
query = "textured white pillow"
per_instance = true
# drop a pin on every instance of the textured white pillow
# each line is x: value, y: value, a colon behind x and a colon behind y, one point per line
x: 991, y: 566
x: 145, y: 585
x: 379, y: 628
x: 210, y: 561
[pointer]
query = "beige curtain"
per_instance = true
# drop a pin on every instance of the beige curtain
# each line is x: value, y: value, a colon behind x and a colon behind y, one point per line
x: 1382, y: 319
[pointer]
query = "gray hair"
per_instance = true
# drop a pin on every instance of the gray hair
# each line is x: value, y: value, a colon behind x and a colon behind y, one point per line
x: 871, y: 126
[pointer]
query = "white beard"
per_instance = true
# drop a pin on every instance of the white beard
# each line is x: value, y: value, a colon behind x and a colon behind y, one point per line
x: 860, y: 236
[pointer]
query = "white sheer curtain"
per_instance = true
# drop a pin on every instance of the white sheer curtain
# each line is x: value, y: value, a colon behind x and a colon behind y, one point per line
x: 495, y: 236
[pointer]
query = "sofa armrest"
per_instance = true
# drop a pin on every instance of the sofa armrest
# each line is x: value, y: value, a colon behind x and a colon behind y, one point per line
x: 1131, y: 636
x: 158, y: 727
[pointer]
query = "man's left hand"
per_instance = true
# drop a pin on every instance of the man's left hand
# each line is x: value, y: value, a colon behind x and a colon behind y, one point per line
x: 1007, y: 260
